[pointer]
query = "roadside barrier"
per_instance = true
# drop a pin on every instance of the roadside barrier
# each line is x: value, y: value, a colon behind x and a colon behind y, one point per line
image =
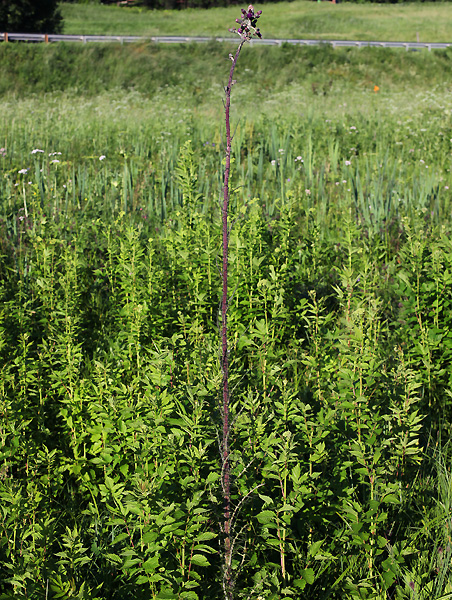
x: 122, y: 39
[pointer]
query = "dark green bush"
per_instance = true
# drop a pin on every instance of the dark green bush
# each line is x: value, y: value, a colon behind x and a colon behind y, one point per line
x: 30, y: 16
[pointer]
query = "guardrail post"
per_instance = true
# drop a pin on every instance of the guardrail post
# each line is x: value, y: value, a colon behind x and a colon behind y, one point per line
x: 46, y: 38
x: 5, y: 37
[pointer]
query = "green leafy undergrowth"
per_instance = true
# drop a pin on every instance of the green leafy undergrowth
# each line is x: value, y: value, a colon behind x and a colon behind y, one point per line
x: 340, y: 351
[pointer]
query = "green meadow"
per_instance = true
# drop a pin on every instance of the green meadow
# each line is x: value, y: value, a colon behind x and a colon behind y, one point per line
x: 431, y: 21
x: 340, y: 272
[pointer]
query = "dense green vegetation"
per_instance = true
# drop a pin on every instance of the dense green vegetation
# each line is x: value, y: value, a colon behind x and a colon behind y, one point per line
x: 151, y: 68
x: 341, y: 265
x: 298, y: 19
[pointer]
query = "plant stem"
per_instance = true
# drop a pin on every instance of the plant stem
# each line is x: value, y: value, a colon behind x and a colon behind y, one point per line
x: 226, y: 467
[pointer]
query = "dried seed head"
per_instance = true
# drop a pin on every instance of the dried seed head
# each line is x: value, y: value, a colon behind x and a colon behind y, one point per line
x: 248, y: 24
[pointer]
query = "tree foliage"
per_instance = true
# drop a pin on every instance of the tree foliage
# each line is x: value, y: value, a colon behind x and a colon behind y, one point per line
x: 30, y: 16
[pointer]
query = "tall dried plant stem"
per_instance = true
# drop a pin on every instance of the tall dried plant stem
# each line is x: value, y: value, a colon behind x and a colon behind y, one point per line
x: 226, y: 467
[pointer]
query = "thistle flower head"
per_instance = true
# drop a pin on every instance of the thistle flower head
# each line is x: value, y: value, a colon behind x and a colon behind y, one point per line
x: 248, y: 24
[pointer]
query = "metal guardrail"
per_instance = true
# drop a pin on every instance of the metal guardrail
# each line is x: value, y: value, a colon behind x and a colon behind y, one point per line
x: 173, y: 39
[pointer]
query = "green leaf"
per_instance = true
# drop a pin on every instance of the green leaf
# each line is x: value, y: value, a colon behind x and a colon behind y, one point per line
x: 119, y: 538
x: 388, y: 577
x: 212, y: 477
x: 200, y: 560
x: 188, y: 585
x: 266, y: 499
x: 207, y: 535
x: 109, y: 483
x: 149, y: 537
x: 135, y: 508
x: 266, y: 516
x: 308, y: 575
x: 151, y: 564
x: 314, y: 548
x: 114, y: 558
x: 391, y: 499
x: 362, y: 471
x: 171, y: 527
x: 296, y: 472
x: 167, y: 595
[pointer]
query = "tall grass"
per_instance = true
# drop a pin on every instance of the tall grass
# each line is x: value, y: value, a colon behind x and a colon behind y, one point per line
x: 287, y: 71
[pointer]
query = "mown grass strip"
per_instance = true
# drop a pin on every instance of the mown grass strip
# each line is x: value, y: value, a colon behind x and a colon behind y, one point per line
x: 432, y: 21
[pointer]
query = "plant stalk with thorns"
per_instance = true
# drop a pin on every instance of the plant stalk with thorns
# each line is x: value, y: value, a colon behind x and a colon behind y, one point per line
x: 246, y: 30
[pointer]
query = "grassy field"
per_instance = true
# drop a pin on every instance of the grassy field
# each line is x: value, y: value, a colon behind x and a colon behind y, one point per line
x: 149, y: 68
x: 299, y: 19
x: 341, y: 271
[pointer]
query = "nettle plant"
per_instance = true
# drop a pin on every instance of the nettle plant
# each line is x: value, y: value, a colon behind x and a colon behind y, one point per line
x: 246, y: 30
